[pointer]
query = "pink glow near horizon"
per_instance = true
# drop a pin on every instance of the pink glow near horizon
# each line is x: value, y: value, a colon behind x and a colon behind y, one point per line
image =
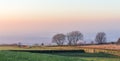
x: 52, y: 16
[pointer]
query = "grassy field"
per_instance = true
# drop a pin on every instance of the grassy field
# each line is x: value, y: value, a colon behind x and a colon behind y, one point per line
x: 39, y: 48
x: 6, y: 55
x: 26, y: 56
x: 110, y: 46
x: 104, y: 46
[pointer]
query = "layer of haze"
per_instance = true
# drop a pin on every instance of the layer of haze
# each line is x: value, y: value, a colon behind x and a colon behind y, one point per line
x: 36, y: 21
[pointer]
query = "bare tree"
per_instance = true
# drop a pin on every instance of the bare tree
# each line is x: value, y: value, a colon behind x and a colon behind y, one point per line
x: 59, y: 39
x: 118, y: 42
x: 100, y: 38
x: 42, y: 44
x: 74, y: 37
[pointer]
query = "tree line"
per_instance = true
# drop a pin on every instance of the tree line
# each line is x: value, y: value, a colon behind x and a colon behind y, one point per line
x: 73, y: 37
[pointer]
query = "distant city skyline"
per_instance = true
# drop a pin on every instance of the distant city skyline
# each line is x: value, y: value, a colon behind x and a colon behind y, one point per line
x: 33, y: 21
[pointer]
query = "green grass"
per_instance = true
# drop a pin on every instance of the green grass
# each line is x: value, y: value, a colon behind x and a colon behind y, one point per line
x: 26, y: 56
x: 76, y: 54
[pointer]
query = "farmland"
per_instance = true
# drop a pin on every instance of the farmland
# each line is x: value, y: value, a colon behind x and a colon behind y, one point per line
x: 109, y: 46
x: 28, y: 54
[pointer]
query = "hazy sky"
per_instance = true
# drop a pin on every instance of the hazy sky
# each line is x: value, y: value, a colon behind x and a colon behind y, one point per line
x: 22, y: 20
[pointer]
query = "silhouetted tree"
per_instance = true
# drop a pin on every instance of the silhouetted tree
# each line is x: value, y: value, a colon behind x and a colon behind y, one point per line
x: 118, y: 42
x: 59, y: 39
x: 100, y: 38
x: 42, y: 44
x: 73, y: 37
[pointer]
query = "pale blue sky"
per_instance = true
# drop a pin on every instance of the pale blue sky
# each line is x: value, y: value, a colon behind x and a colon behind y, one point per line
x: 41, y: 19
x: 60, y: 4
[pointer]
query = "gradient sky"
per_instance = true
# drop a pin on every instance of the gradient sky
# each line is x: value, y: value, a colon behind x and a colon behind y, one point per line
x: 38, y: 20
